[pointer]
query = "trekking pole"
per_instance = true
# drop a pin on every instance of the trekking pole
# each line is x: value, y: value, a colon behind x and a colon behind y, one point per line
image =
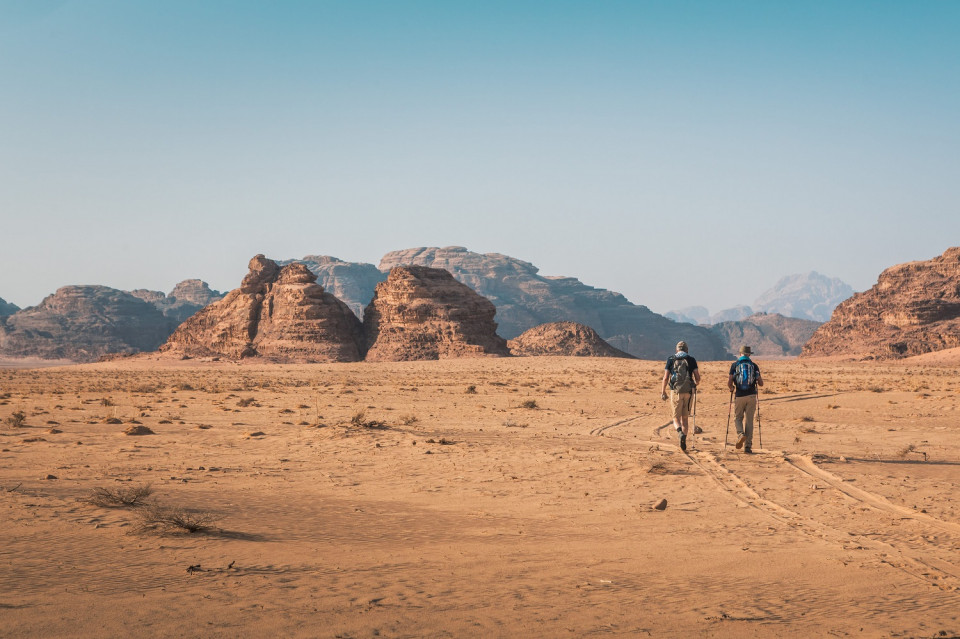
x: 759, y: 430
x: 729, y: 408
x: 694, y: 410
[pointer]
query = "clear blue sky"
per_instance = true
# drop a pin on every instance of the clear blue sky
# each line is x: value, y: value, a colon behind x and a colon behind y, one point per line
x: 680, y: 153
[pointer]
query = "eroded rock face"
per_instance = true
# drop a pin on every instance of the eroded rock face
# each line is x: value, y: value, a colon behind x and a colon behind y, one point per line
x: 278, y: 314
x: 83, y: 323
x: 353, y: 283
x: 186, y: 298
x: 562, y: 339
x: 422, y: 313
x: 771, y: 336
x: 525, y: 299
x: 913, y: 308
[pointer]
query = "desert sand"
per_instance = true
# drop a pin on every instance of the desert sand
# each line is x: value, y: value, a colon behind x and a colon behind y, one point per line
x: 483, y: 497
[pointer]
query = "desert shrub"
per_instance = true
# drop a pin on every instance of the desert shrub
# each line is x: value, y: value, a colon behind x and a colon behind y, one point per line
x: 530, y: 403
x: 471, y: 389
x: 16, y: 419
x: 172, y: 519
x: 807, y: 419
x: 106, y: 401
x: 359, y: 419
x: 409, y: 419
x: 249, y: 401
x: 120, y: 497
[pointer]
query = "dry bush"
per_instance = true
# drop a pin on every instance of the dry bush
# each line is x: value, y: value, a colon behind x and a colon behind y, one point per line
x: 249, y: 401
x: 16, y: 419
x: 530, y: 403
x: 360, y: 419
x: 471, y: 389
x: 172, y: 519
x: 133, y: 496
x: 409, y: 420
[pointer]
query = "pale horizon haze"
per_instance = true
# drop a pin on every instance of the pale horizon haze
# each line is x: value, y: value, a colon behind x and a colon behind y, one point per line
x: 680, y: 153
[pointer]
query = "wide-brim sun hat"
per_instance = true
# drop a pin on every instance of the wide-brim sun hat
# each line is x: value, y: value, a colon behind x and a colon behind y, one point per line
x: 745, y: 350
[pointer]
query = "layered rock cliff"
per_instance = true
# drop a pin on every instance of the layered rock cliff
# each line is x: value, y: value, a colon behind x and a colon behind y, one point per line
x: 771, y: 336
x: 352, y: 283
x: 913, y: 308
x: 525, y: 299
x: 422, y: 313
x: 83, y: 323
x: 280, y: 314
x: 562, y: 339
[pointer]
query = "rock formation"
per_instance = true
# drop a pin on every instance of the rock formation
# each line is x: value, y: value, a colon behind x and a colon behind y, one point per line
x: 562, y: 338
x: 423, y: 313
x: 525, y: 299
x: 913, y: 308
x: 808, y: 296
x: 352, y: 283
x: 280, y: 314
x: 771, y: 336
x: 186, y: 298
x: 6, y: 308
x: 82, y: 323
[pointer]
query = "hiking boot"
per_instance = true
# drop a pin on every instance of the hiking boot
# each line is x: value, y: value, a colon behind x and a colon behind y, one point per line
x: 683, y: 441
x: 748, y: 450
x: 740, y: 439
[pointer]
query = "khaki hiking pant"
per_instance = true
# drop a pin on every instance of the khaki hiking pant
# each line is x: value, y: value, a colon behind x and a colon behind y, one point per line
x: 745, y: 407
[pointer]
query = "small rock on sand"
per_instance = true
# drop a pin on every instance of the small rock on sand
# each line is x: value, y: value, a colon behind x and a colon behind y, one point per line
x: 661, y: 505
x: 138, y: 429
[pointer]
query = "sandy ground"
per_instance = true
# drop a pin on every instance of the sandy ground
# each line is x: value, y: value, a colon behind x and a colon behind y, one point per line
x: 488, y: 498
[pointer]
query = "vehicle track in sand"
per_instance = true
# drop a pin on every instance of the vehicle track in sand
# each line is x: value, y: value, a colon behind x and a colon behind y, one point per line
x: 923, y: 546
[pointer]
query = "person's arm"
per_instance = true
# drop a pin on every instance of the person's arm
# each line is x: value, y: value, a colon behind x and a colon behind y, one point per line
x: 730, y: 383
x: 759, y: 377
x: 696, y: 376
x: 663, y: 384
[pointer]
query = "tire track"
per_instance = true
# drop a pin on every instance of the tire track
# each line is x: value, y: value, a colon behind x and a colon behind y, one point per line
x: 896, y: 553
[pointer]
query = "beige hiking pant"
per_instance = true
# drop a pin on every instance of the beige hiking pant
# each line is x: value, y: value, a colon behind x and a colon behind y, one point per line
x: 745, y: 407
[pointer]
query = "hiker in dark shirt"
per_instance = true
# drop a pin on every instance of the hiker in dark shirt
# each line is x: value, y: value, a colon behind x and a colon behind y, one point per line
x: 743, y: 381
x: 682, y: 374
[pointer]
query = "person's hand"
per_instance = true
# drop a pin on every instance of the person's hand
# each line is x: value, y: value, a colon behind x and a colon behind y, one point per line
x: 663, y: 396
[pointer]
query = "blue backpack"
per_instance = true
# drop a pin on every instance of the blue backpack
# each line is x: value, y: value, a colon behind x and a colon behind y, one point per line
x: 745, y: 375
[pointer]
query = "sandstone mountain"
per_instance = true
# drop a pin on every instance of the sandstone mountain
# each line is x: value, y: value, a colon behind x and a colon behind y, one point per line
x: 83, y: 323
x: 771, y: 336
x: 279, y: 314
x: 186, y: 298
x: 6, y: 308
x: 524, y: 299
x: 352, y: 283
x: 808, y: 296
x: 913, y: 308
x: 562, y: 338
x: 423, y: 313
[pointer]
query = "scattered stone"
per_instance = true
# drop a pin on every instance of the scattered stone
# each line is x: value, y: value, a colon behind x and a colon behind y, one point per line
x: 661, y: 505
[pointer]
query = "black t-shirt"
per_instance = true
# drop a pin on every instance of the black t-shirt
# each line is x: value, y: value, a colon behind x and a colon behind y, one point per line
x: 752, y: 386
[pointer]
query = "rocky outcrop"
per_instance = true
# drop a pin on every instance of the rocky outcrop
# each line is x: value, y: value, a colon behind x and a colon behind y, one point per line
x: 279, y: 314
x: 83, y: 323
x: 524, y: 299
x: 186, y: 298
x: 808, y: 296
x: 422, y: 313
x: 564, y: 339
x: 771, y: 336
x: 913, y: 309
x: 352, y: 283
x: 6, y: 308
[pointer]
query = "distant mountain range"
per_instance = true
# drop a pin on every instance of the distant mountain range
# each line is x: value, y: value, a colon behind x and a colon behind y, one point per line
x: 85, y: 323
x: 810, y: 296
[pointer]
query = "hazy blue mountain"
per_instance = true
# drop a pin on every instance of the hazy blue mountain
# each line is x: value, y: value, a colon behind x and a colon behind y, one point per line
x: 6, y: 308
x: 808, y: 296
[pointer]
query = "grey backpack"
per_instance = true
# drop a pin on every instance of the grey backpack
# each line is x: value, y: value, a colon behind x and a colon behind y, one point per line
x: 680, y: 380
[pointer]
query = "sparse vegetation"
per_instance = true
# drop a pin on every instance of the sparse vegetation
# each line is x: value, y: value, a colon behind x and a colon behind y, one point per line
x: 471, y: 389
x: 133, y: 496
x: 409, y: 419
x: 171, y: 519
x: 249, y: 401
x: 530, y: 403
x: 16, y: 419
